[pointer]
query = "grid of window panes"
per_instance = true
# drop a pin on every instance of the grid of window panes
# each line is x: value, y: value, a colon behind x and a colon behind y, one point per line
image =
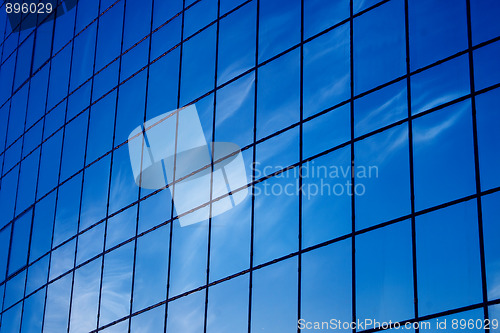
x: 411, y: 87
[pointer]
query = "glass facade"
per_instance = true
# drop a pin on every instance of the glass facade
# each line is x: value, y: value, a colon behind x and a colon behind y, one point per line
x: 369, y: 132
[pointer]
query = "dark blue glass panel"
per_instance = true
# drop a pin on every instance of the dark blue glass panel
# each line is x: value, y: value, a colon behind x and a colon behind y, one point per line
x: 23, y: 63
x: 137, y: 21
x: 382, y: 171
x: 74, y: 146
x: 488, y: 135
x: 326, y: 284
x: 327, y: 131
x: 134, y: 60
x: 20, y: 242
x: 164, y: 10
x: 38, y: 95
x: 105, y: 80
x: 384, y: 274
x: 486, y: 66
x: 359, y: 5
x: 150, y: 280
x: 199, y: 15
x: 237, y: 33
x: 86, y: 13
x: 6, y: 77
x: 274, y: 298
x: 109, y: 36
x: 491, y: 230
x: 448, y: 263
x: 27, y: 182
x: 326, y: 70
x: 320, y: 15
x: 54, y: 120
x: 83, y: 57
x: 14, y: 289
x: 43, y: 43
x: 326, y: 203
x: 437, y: 30
x: 278, y: 89
x: 440, y: 84
x: 198, y: 65
x: 166, y: 38
x: 380, y: 108
x: 59, y: 76
x: 17, y: 115
x: 379, y: 46
x: 484, y: 15
x: 100, y: 134
x: 4, y: 251
x: 64, y: 27
x: 279, y: 26
x: 43, y: 222
x: 32, y: 139
x: 443, y: 156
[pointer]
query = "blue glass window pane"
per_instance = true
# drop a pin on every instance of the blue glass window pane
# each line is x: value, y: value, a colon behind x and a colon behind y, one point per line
x: 54, y: 120
x: 155, y: 210
x: 437, y: 30
x: 134, y: 60
x: 4, y: 119
x: 95, y: 193
x: 109, y: 36
x: 227, y: 5
x: 43, y: 43
x: 327, y: 70
x: 166, y: 38
x: 440, y: 84
x: 23, y: 63
x: 488, y: 135
x: 37, y: 274
x: 12, y: 156
x: 43, y: 222
x: 380, y: 108
x: 235, y: 112
x: 198, y: 65
x: 74, y: 146
x: 38, y: 94
x: 57, y: 310
x: 276, y: 225
x: 100, y: 134
x: 484, y: 15
x: 7, y: 200
x: 278, y: 89
x: 90, y: 244
x: 491, y: 231
x: 20, y: 242
x: 327, y: 131
x: 277, y: 153
x: 199, y: 15
x: 326, y: 204
x: 6, y: 77
x: 326, y: 283
x: 359, y: 5
x: 320, y: 15
x: 137, y: 21
x: 237, y: 33
x: 17, y: 115
x: 59, y: 76
x: 27, y: 182
x: 130, y: 113
x: 228, y: 314
x: 33, y: 313
x: 62, y: 259
x: 279, y: 26
x: 448, y: 265
x: 49, y: 164
x: 11, y: 319
x: 162, y: 85
x: 274, y: 297
x: 32, y: 139
x: 14, y: 289
x: 83, y: 56
x: 164, y: 10
x: 384, y: 274
x: 379, y: 46
x: 150, y: 321
x: 188, y: 265
x: 116, y: 284
x: 382, y: 171
x: 68, y: 204
x: 123, y: 189
x: 121, y: 227
x: 64, y: 27
x: 486, y: 66
x: 194, y: 305
x: 86, y: 13
x: 85, y: 299
x: 443, y: 156
x: 230, y: 241
x: 150, y: 280
x: 4, y: 251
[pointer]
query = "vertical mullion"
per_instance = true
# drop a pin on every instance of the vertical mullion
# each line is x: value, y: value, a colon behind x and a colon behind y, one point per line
x: 476, y: 163
x: 411, y: 166
x: 111, y: 158
x: 172, y: 183
x: 252, y: 219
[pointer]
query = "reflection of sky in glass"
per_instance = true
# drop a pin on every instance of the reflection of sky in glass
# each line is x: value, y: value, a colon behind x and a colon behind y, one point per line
x: 55, y: 216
